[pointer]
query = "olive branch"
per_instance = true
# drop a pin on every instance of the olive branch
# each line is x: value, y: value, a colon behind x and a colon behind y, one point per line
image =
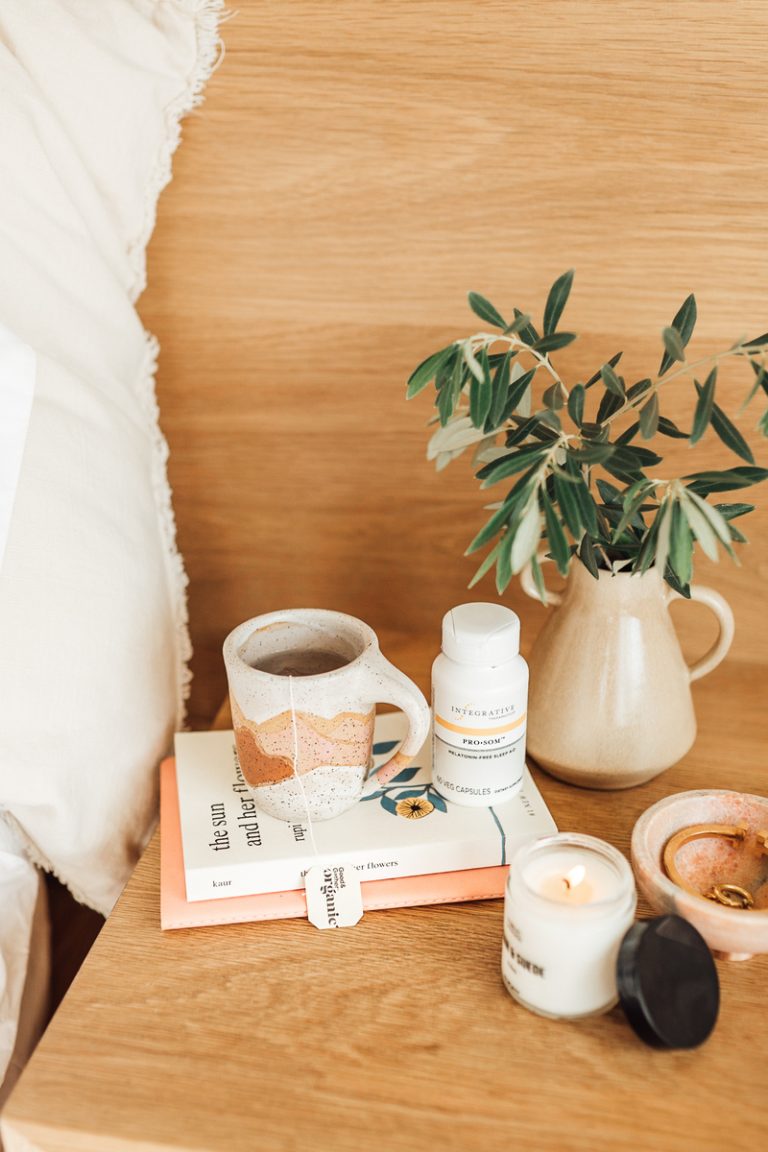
x: 484, y: 388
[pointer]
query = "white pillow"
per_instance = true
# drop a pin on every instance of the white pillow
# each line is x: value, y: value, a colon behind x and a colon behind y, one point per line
x: 93, y: 639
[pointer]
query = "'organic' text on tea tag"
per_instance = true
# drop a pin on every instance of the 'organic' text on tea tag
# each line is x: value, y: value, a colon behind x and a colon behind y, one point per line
x: 334, y: 897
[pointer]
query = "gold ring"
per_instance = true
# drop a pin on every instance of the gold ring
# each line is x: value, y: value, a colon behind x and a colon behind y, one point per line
x: 731, y: 895
x: 737, y: 833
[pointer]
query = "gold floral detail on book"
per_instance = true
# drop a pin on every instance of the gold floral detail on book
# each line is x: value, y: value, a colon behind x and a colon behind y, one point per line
x: 414, y: 808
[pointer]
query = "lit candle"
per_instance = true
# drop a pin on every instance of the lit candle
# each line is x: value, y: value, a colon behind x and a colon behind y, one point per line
x: 569, y: 901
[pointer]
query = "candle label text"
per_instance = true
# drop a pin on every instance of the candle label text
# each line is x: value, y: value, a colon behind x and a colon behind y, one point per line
x: 517, y: 959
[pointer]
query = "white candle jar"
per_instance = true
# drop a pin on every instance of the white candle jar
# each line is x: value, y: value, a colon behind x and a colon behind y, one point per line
x: 570, y: 899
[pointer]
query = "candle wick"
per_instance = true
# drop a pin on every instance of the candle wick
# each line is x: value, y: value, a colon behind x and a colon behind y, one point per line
x: 573, y: 878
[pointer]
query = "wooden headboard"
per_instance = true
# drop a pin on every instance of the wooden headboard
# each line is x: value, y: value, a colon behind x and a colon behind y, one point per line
x: 356, y: 168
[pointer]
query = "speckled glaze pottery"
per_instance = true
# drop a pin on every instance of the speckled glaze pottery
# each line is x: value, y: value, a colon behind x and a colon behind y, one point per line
x: 732, y: 933
x: 610, y: 701
x: 304, y: 741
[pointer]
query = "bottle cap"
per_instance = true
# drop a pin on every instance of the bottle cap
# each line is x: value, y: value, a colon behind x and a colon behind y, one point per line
x: 667, y: 983
x: 481, y: 634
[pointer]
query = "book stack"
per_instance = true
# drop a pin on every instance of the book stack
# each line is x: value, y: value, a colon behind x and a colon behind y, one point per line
x: 222, y: 861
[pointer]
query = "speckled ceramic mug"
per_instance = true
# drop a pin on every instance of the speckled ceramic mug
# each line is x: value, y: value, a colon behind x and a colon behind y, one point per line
x: 303, y: 684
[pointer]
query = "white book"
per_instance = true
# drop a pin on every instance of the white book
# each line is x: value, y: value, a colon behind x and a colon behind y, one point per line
x: 404, y: 828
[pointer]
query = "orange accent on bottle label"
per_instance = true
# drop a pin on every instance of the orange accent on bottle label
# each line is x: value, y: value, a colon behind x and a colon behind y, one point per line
x: 480, y: 731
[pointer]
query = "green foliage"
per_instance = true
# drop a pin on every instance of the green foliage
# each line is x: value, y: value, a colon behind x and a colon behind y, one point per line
x: 556, y: 457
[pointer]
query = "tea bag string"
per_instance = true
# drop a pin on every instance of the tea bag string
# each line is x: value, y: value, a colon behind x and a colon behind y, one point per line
x: 297, y: 774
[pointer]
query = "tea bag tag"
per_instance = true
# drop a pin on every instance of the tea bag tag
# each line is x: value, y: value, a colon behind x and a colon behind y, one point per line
x: 334, y: 896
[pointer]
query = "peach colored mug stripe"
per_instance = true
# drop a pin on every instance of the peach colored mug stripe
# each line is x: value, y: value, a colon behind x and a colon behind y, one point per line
x: 259, y: 768
x: 331, y: 727
x: 267, y: 751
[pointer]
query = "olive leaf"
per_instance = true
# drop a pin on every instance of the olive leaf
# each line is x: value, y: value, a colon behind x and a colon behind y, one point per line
x: 521, y: 322
x: 471, y: 362
x: 598, y: 375
x: 731, y: 511
x: 485, y: 310
x: 633, y: 500
x: 454, y: 437
x: 553, y: 397
x: 663, y: 524
x: 587, y: 556
x: 609, y: 404
x: 428, y: 369
x: 673, y: 344
x: 576, y: 404
x: 669, y: 428
x: 556, y: 301
x: 612, y: 382
x: 486, y: 565
x: 511, y: 464
x: 504, y: 563
x: 563, y: 487
x: 538, y: 578
x: 500, y: 392
x: 554, y: 342
x: 717, y: 522
x: 481, y: 393
x: 519, y: 384
x: 526, y: 330
x: 727, y: 480
x: 639, y: 388
x: 677, y: 336
x: 701, y: 417
x: 649, y: 418
x: 761, y: 381
x: 730, y: 435
x: 681, y: 545
x: 558, y: 543
x: 526, y: 538
x: 701, y: 528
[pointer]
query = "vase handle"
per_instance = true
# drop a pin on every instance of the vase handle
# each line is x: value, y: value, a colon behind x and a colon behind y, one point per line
x: 528, y: 585
x: 722, y: 609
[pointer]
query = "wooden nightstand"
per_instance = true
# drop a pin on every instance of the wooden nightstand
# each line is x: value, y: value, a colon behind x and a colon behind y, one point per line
x: 396, y: 1034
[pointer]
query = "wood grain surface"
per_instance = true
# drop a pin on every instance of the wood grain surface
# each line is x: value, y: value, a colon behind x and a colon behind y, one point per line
x: 356, y: 168
x: 396, y: 1034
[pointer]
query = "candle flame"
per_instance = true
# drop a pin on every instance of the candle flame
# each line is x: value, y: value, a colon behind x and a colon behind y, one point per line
x: 573, y: 878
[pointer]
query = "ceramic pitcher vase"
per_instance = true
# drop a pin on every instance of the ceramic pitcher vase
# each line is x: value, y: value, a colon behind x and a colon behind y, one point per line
x: 610, y: 701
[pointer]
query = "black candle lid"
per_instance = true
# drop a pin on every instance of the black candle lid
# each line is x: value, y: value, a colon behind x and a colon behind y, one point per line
x: 668, y: 983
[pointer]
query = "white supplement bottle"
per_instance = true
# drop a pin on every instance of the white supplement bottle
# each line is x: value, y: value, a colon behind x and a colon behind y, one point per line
x: 479, y: 702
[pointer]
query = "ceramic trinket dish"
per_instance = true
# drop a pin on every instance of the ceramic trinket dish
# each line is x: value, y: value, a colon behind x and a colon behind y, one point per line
x: 719, y: 848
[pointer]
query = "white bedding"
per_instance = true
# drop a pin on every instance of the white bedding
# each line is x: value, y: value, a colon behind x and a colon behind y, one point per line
x: 93, y: 638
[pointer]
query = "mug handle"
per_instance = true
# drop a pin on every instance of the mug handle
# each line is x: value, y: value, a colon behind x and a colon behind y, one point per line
x: 722, y: 609
x: 388, y: 685
x: 528, y: 584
